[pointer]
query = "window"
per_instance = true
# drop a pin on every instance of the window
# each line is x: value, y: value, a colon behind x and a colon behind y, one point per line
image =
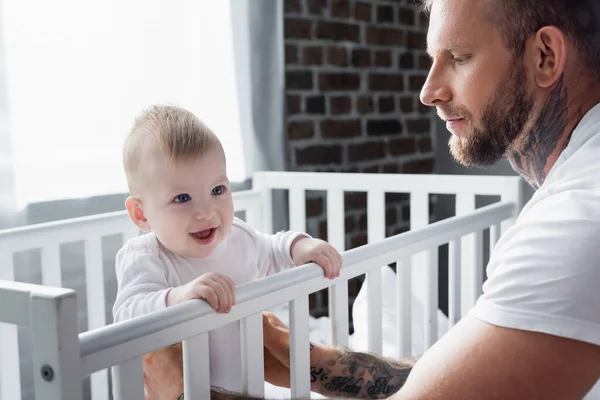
x: 78, y: 72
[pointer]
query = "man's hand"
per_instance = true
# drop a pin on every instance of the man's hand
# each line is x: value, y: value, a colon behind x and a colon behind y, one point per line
x: 305, y: 250
x: 163, y: 373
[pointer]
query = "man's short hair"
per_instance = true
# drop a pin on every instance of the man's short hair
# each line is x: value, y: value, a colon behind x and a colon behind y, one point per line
x: 517, y: 20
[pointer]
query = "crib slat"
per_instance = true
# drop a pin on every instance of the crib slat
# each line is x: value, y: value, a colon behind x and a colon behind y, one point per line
x: 338, y: 293
x: 253, y: 376
x: 431, y: 297
x: 51, y: 275
x: 299, y: 348
x: 259, y: 183
x: 128, y: 380
x: 477, y: 282
x: 254, y: 218
x: 297, y: 210
x: 196, y: 367
x: 454, y: 281
x: 419, y: 218
x: 494, y: 235
x: 96, y: 312
x: 10, y: 375
x: 376, y: 232
x: 403, y: 309
x: 465, y: 204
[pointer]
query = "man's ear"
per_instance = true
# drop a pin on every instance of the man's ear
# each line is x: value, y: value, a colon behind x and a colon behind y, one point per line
x: 136, y: 213
x: 549, y: 56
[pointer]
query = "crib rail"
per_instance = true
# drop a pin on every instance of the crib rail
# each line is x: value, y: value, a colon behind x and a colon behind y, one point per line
x: 416, y: 270
x: 48, y: 237
x: 123, y: 344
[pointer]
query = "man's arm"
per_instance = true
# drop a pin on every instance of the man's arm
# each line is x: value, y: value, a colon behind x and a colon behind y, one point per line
x: 342, y: 372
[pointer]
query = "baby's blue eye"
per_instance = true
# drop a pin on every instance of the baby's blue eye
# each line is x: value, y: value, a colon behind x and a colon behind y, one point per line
x: 182, y: 198
x: 219, y: 190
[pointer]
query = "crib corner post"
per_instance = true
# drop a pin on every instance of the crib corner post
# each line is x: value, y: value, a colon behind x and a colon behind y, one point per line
x: 55, y: 344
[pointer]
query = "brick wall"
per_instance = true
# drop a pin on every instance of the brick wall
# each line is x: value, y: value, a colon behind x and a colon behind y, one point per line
x: 354, y: 70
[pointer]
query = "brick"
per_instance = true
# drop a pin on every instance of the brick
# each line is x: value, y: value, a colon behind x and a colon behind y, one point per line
x: 321, y: 155
x: 385, y: 36
x: 424, y: 21
x: 291, y: 54
x: 391, y: 169
x: 402, y: 146
x: 312, y: 301
x: 396, y: 198
x: 406, y: 61
x: 373, y: 169
x: 340, y: 8
x: 364, y: 105
x: 361, y: 57
x: 384, y: 127
x: 323, y: 230
x: 296, y: 28
x: 340, y: 105
x: 406, y: 16
x: 405, y: 212
x: 293, y: 6
x: 298, y: 80
x: 317, y: 7
x: 425, y: 145
x: 312, y: 55
x: 300, y: 130
x: 315, y: 105
x: 349, y: 224
x: 386, y: 82
x: 391, y: 216
x: 418, y: 126
x: 424, y: 62
x: 355, y: 201
x: 416, y: 40
x: 387, y: 104
x: 362, y: 222
x: 424, y: 108
x: 366, y: 151
x: 293, y: 104
x: 340, y: 128
x: 399, y: 230
x: 362, y: 11
x: 358, y: 240
x: 385, y: 14
x: 383, y: 58
x: 416, y: 83
x: 407, y: 104
x: 338, y: 31
x: 314, y: 207
x: 337, y: 56
x: 418, y: 167
x: 339, y: 81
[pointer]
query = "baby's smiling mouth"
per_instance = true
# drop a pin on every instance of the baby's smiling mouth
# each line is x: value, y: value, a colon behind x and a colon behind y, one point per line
x: 203, y: 234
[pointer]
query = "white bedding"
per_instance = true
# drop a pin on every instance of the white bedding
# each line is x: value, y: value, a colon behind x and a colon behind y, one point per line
x: 319, y: 329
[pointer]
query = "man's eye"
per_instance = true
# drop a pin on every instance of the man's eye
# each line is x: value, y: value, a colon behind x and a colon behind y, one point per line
x: 182, y: 198
x: 219, y: 190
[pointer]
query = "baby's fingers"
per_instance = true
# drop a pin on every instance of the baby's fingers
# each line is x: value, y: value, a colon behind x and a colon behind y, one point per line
x: 226, y: 291
x: 336, y: 261
x: 325, y: 263
x: 209, y: 294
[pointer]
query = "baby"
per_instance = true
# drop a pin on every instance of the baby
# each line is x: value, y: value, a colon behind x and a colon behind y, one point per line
x: 194, y: 247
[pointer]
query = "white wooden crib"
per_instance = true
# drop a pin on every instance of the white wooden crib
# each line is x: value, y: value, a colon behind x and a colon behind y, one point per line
x: 62, y: 356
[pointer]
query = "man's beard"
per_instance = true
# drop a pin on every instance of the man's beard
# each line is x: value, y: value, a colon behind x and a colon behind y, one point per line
x: 503, y: 120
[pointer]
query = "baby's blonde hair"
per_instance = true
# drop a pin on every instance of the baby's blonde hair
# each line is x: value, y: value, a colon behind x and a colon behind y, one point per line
x: 173, y: 132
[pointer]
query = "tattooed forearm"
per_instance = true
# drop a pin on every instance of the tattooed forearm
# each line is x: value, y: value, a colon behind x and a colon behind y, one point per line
x: 360, y: 375
x: 531, y: 156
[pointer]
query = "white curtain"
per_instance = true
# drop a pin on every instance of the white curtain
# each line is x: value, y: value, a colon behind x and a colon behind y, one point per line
x: 76, y: 73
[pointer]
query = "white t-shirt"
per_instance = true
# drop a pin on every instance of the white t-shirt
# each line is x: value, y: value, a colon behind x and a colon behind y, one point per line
x: 146, y: 270
x: 544, y: 273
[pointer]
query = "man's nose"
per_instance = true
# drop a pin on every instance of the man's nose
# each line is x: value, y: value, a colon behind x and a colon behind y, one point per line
x: 436, y: 90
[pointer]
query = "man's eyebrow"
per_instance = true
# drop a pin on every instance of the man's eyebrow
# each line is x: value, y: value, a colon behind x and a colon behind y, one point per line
x: 450, y: 48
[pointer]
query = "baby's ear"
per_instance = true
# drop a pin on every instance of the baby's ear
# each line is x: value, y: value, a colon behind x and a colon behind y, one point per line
x: 136, y: 213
